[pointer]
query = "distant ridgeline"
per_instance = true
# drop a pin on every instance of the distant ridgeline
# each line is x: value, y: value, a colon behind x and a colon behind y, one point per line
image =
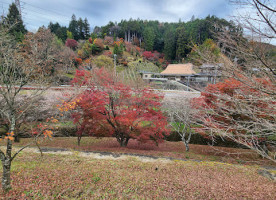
x: 175, y: 40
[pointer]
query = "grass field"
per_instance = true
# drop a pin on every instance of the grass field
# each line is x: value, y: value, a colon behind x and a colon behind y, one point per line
x: 55, y: 176
x: 165, y: 149
x: 75, y: 177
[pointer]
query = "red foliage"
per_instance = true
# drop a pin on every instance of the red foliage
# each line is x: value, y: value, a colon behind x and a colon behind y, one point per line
x: 148, y: 55
x: 110, y: 108
x: 71, y: 43
x: 90, y: 40
x: 220, y: 108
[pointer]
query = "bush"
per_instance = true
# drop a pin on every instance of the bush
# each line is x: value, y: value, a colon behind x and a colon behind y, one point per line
x: 103, y: 61
x: 71, y: 43
x: 99, y: 43
x: 108, y: 40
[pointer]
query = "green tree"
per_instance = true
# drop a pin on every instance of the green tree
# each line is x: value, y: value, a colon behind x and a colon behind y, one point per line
x: 149, y: 37
x: 53, y: 27
x: 182, y: 43
x: 59, y: 31
x: 69, y: 35
x: 86, y: 28
x: 14, y: 21
x: 170, y: 43
x: 80, y: 35
x: 73, y: 26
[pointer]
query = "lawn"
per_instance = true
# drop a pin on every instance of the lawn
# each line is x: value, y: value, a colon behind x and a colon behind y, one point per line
x: 75, y: 177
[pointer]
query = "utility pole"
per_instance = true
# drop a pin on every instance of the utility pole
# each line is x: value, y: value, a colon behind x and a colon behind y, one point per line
x: 17, y: 3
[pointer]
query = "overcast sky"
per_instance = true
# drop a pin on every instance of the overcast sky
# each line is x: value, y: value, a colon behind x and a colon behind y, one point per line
x: 99, y: 12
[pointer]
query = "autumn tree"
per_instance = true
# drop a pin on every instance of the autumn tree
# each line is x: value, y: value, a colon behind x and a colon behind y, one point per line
x: 17, y: 70
x: 236, y: 111
x: 148, y: 55
x: 71, y: 43
x: 180, y: 116
x: 208, y: 52
x: 109, y: 108
x: 41, y: 47
x: 242, y: 107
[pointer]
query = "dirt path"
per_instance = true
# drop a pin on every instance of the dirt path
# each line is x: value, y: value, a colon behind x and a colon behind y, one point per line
x: 101, y: 155
x: 263, y: 170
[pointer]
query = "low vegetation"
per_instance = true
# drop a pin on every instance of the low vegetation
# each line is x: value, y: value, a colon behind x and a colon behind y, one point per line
x: 165, y: 149
x: 53, y: 177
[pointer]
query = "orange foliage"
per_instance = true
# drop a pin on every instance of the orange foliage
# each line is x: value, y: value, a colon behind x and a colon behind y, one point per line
x: 99, y: 43
x: 118, y: 43
x: 9, y: 136
x: 78, y: 61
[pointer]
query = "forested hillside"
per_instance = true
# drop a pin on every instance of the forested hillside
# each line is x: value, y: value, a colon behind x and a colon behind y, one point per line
x: 175, y: 40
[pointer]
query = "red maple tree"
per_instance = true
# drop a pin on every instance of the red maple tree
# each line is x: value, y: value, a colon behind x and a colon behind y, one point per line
x: 110, y: 108
x: 148, y: 55
x: 71, y: 43
x: 240, y: 112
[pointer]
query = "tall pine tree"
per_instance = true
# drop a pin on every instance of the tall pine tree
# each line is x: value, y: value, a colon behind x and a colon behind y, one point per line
x: 73, y: 27
x: 149, y: 38
x: 15, y: 23
x: 183, y: 46
x: 170, y: 43
x: 86, y: 28
x: 80, y: 30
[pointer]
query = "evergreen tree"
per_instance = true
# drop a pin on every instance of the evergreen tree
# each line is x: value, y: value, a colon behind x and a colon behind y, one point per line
x: 86, y: 28
x: 170, y: 43
x: 183, y: 46
x: 14, y: 21
x: 53, y: 27
x: 61, y: 33
x: 149, y: 38
x: 73, y: 26
x: 80, y: 30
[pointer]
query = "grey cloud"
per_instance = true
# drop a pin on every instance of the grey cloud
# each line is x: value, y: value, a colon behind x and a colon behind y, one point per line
x: 99, y: 12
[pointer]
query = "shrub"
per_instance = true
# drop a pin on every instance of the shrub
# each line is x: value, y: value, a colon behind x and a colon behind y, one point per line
x: 71, y: 43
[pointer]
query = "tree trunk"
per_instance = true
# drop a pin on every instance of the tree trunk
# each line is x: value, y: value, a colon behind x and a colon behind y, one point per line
x: 185, y: 143
x: 6, y: 163
x: 17, y: 138
x: 123, y: 141
x: 79, y: 140
x: 6, y: 178
x: 6, y: 160
x: 186, y: 146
